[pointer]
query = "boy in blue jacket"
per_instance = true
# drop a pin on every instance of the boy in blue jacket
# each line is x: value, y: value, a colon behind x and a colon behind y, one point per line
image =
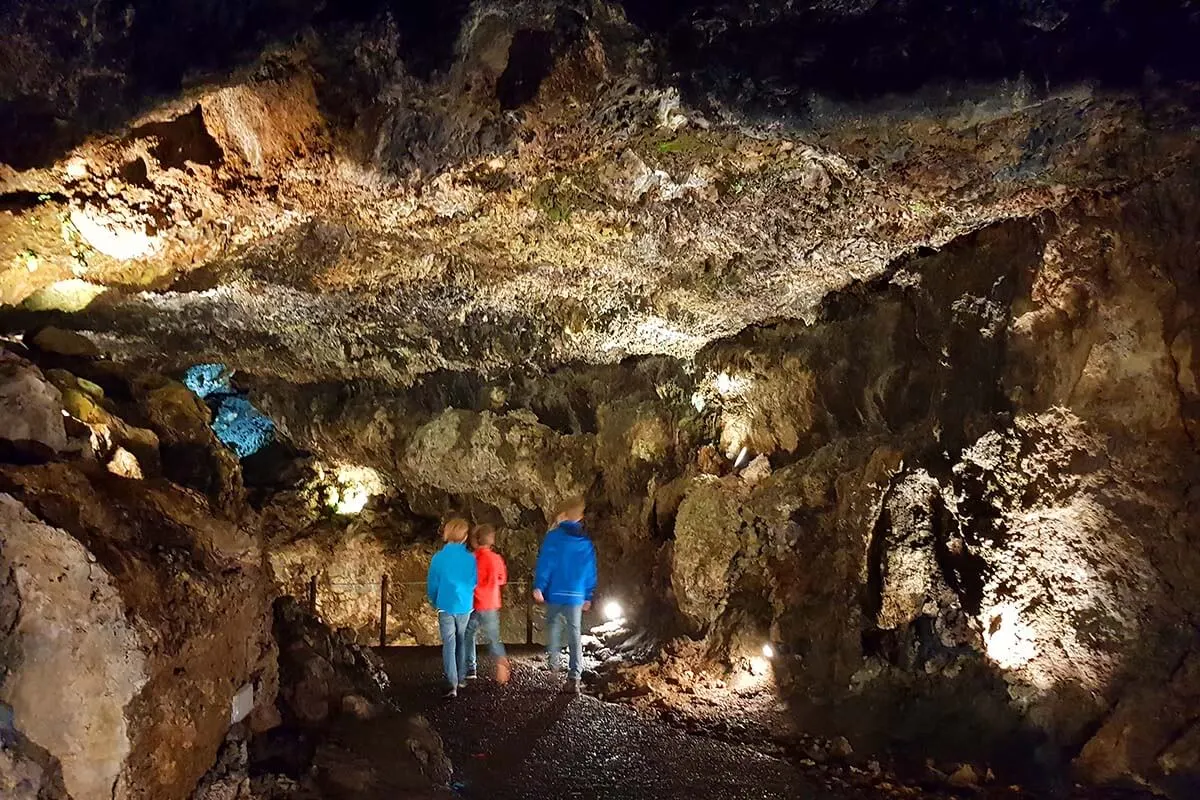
x: 451, y: 588
x: 565, y: 580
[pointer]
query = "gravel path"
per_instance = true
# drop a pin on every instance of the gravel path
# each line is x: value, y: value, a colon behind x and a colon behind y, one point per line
x: 527, y: 740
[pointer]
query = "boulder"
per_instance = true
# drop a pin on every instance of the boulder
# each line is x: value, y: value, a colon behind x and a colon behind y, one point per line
x: 310, y: 697
x: 191, y: 453
x: 1162, y: 747
x: 150, y: 613
x: 707, y: 537
x: 357, y: 707
x: 511, y: 462
x: 31, y: 411
x: 320, y: 672
x: 965, y: 777
x: 109, y: 433
x: 426, y: 746
x: 63, y: 343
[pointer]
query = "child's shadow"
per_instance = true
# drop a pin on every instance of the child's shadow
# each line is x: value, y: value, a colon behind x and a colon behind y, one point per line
x: 511, y: 750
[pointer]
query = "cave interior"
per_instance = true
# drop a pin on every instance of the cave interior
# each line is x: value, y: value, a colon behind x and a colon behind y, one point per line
x: 862, y: 327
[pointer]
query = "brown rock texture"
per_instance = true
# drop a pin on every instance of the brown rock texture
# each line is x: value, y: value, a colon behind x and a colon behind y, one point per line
x: 865, y: 329
x: 136, y: 600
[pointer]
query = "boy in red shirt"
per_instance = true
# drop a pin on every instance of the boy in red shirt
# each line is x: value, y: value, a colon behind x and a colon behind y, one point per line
x: 492, y: 575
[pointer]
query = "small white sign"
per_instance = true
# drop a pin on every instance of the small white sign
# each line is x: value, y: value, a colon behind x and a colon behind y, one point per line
x: 243, y: 704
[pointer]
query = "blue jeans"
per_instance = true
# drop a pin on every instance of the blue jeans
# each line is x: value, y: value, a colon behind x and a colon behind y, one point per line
x: 454, y: 647
x: 489, y: 621
x: 572, y: 617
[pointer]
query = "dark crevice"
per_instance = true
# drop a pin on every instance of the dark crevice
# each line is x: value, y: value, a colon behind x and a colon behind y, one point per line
x: 873, y: 601
x: 964, y: 571
x: 428, y: 30
x: 860, y: 52
x: 530, y: 59
x: 532, y: 55
x: 16, y: 202
x: 182, y: 140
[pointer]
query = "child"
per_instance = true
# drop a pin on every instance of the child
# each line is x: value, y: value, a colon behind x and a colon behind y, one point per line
x: 451, y: 587
x: 492, y: 575
x: 565, y: 580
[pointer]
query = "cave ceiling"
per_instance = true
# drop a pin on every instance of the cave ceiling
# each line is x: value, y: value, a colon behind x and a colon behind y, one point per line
x: 327, y: 192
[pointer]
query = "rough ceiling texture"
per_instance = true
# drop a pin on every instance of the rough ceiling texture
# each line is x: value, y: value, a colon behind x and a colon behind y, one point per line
x: 866, y: 329
x: 388, y: 193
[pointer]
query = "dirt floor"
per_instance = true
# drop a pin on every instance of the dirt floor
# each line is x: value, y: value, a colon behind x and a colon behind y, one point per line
x: 528, y: 740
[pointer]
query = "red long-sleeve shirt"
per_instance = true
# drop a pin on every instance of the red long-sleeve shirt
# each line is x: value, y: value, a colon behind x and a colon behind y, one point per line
x: 492, y: 575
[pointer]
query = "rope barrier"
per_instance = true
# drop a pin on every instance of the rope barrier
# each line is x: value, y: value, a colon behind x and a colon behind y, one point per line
x: 384, y: 587
x: 404, y: 583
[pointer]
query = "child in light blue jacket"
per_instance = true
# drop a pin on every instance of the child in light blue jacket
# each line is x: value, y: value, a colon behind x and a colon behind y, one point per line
x: 451, y: 588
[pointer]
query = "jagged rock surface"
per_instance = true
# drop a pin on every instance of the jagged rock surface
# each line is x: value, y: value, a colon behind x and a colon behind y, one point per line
x: 345, y: 207
x: 356, y: 741
x: 876, y: 346
x: 113, y: 588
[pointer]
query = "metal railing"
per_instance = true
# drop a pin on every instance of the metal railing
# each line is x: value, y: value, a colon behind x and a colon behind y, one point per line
x: 517, y: 594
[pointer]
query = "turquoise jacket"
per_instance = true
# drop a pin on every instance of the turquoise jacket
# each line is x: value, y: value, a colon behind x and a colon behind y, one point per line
x: 451, y: 581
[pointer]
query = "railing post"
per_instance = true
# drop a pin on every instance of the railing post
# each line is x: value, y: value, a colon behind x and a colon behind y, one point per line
x: 528, y: 613
x: 312, y: 594
x: 383, y: 606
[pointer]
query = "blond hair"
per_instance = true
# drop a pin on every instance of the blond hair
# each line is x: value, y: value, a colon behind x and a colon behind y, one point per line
x: 571, y: 509
x: 483, y: 535
x: 455, y: 530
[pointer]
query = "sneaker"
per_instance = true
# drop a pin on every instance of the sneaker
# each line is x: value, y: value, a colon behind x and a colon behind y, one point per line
x: 472, y: 675
x: 462, y: 685
x: 450, y: 695
x: 571, y: 686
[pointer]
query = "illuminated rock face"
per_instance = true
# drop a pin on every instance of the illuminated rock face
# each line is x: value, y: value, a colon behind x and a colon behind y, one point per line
x: 975, y: 515
x: 879, y: 345
x: 494, y: 185
x: 113, y: 584
x: 55, y: 587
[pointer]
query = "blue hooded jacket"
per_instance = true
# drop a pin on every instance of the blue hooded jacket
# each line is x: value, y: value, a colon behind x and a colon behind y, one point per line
x: 566, y: 565
x: 451, y: 581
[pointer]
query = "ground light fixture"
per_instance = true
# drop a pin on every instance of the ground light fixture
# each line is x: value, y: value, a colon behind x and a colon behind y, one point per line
x: 741, y: 458
x: 613, y: 611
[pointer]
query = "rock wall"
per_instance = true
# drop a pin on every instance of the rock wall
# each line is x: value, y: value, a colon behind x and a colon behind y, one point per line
x: 977, y: 537
x: 881, y: 351
x: 348, y: 559
x: 133, y: 610
x: 958, y: 503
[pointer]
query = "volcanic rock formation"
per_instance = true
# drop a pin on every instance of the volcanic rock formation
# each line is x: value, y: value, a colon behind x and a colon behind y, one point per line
x: 865, y: 329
